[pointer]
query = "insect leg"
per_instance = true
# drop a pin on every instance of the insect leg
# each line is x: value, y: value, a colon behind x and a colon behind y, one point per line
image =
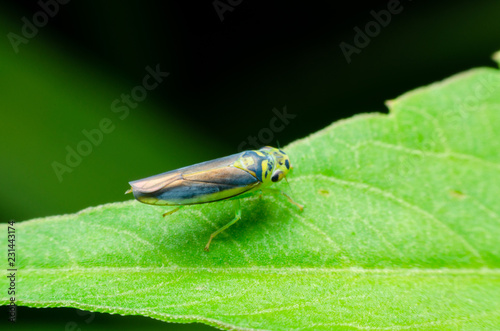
x: 172, y: 211
x: 237, y: 216
x: 301, y: 207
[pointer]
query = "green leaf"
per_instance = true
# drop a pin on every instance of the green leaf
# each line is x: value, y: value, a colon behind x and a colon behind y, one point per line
x: 401, y: 230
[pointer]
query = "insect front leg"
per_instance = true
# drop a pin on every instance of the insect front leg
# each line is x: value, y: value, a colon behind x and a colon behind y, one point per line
x: 301, y: 207
x: 236, y: 218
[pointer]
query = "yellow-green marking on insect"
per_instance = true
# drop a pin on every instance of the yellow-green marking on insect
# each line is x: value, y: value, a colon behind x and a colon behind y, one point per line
x: 232, y: 177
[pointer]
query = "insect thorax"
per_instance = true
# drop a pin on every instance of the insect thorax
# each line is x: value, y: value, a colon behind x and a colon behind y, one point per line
x: 259, y: 164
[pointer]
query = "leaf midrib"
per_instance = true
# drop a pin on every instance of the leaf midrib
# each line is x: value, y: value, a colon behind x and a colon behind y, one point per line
x: 285, y: 270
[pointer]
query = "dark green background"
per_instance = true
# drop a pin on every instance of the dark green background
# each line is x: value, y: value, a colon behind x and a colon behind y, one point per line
x: 225, y: 79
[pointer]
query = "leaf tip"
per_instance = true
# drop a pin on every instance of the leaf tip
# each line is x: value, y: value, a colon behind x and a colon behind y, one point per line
x: 390, y: 103
x: 496, y: 57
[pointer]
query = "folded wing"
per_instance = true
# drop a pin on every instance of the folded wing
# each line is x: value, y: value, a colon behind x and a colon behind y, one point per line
x: 200, y: 183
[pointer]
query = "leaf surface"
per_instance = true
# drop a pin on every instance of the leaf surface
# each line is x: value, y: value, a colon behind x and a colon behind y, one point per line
x: 401, y: 230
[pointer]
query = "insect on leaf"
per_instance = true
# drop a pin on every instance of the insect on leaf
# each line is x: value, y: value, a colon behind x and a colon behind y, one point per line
x: 400, y: 231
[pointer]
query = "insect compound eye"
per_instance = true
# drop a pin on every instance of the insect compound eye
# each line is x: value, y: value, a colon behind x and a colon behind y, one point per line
x: 277, y: 176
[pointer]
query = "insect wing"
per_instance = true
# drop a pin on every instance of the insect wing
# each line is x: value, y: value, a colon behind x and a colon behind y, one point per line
x: 200, y: 183
x: 157, y: 182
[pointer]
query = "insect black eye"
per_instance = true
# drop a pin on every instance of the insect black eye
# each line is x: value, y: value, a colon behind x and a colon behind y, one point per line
x: 276, y: 176
x: 287, y: 164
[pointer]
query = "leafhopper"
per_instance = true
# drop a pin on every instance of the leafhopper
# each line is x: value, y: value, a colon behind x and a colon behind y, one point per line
x: 228, y: 178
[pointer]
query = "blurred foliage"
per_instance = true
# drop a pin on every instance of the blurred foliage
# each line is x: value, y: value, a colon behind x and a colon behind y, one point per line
x: 226, y: 77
